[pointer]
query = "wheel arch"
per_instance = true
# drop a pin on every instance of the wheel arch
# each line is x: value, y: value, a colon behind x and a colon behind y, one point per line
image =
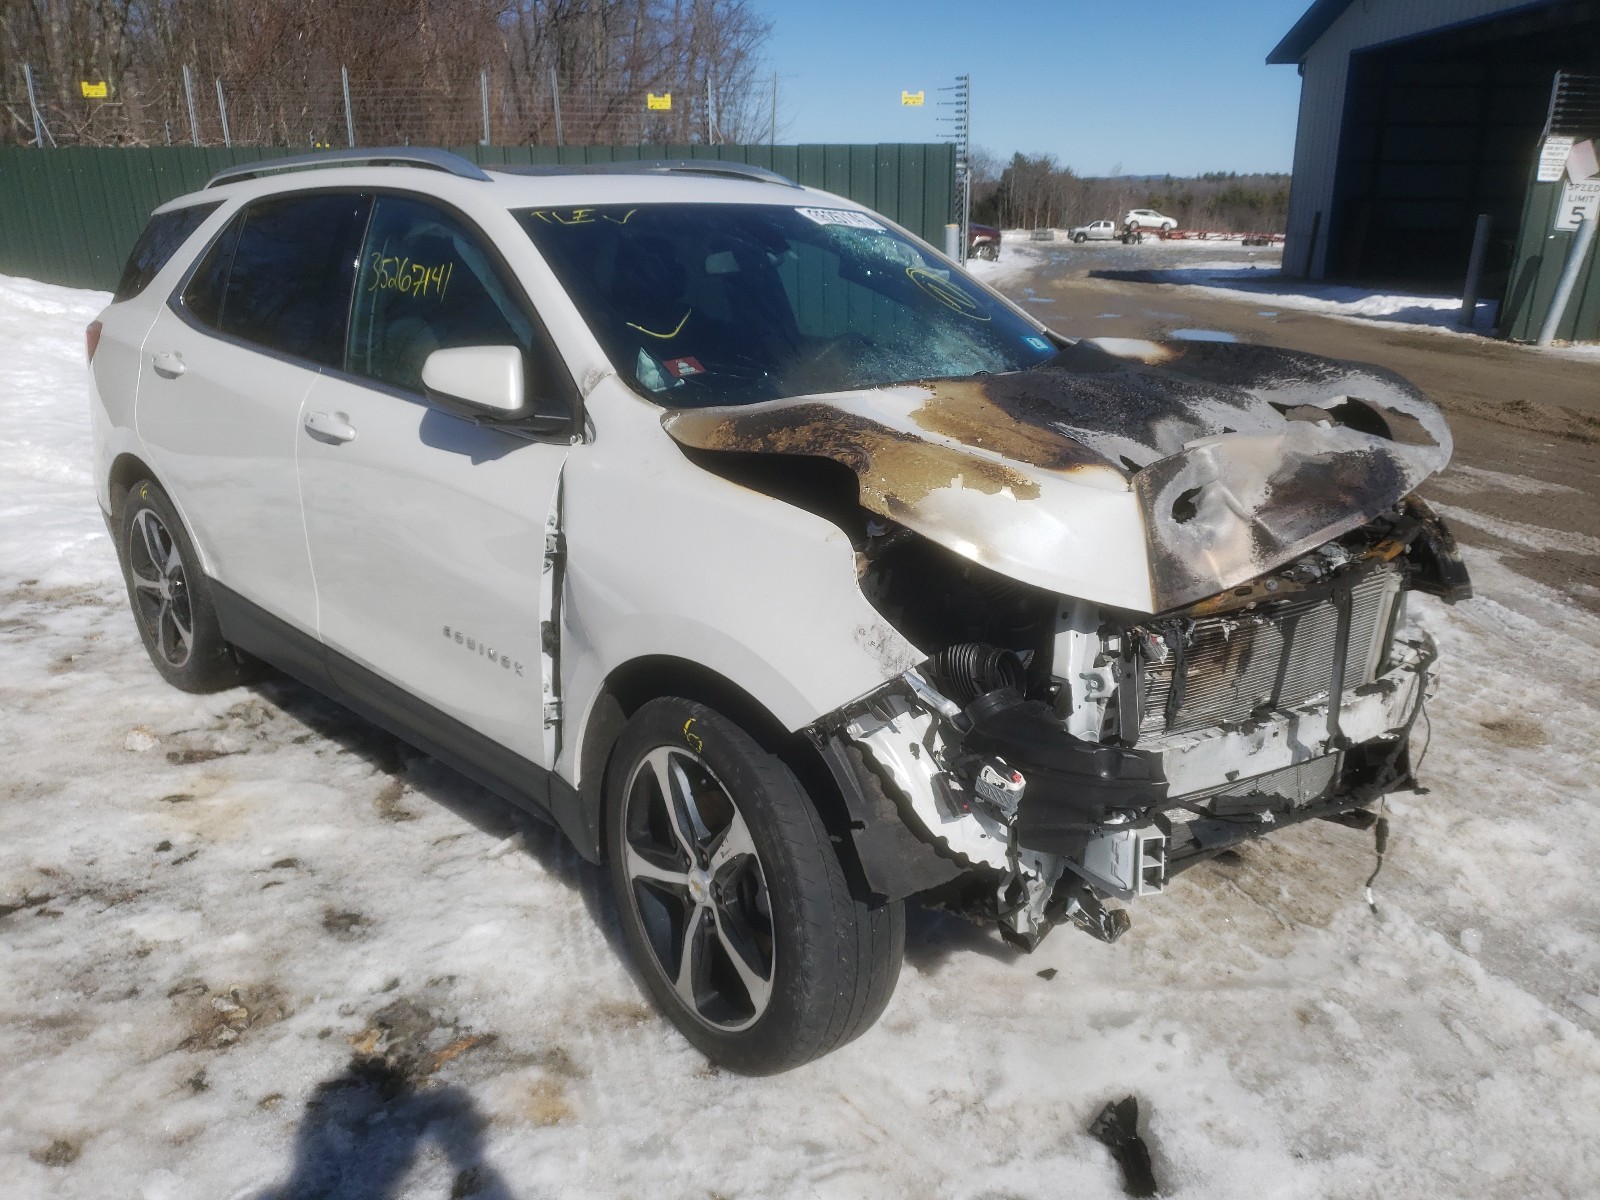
x: 125, y: 471
x: 635, y: 683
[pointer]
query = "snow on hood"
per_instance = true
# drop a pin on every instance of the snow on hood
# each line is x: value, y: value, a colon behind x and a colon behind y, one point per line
x: 1144, y: 475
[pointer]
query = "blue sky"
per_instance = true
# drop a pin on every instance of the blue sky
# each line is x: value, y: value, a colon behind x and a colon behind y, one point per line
x: 1181, y: 88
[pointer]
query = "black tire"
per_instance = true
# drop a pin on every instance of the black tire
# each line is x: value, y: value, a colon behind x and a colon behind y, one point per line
x: 170, y: 596
x: 1081, y: 238
x: 823, y: 963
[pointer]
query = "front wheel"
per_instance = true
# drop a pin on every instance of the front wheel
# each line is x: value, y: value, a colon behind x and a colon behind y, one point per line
x: 1081, y: 238
x: 734, y: 903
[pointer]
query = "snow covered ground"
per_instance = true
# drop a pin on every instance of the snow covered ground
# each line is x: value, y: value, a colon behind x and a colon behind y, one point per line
x: 251, y: 948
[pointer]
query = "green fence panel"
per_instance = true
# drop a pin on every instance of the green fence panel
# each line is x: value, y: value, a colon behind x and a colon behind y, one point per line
x: 1536, y: 269
x: 71, y: 216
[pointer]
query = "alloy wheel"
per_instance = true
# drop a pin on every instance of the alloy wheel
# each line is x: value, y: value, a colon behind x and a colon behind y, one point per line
x: 160, y: 589
x: 697, y: 885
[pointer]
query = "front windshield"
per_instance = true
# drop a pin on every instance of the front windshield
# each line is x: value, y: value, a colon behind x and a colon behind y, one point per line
x: 700, y: 304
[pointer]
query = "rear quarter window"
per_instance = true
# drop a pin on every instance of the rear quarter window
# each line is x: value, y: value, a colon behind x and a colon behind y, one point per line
x: 157, y: 244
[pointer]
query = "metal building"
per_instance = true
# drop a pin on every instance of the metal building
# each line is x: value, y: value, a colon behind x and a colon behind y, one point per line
x: 1415, y: 117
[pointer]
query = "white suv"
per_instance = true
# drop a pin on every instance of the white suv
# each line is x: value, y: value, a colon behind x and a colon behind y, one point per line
x: 736, y: 531
x: 1148, y: 218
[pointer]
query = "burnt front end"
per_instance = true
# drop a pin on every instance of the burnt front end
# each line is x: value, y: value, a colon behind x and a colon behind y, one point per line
x: 1079, y: 753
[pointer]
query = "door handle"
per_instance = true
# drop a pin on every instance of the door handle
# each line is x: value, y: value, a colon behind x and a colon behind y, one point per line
x: 330, y: 427
x: 168, y: 364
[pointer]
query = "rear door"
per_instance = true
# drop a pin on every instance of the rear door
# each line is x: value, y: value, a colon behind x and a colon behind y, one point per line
x: 223, y: 375
x: 428, y: 531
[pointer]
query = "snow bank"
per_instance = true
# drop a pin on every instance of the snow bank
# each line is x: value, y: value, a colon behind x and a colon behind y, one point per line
x: 1268, y: 286
x: 252, y: 947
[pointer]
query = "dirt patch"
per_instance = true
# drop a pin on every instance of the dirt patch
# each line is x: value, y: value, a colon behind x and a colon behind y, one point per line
x: 388, y: 803
x: 1522, y: 733
x: 344, y: 924
x: 59, y: 1153
x: 406, y: 1043
x: 218, y: 1020
x: 546, y: 1103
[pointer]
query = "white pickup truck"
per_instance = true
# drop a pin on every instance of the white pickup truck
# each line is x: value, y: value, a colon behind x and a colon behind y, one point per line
x: 1095, y: 231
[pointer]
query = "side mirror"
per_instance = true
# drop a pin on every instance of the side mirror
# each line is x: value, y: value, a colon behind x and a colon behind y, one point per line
x: 483, y: 376
x: 485, y: 384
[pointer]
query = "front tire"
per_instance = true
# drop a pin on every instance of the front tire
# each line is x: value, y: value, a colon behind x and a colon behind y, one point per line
x: 733, y: 900
x: 170, y: 595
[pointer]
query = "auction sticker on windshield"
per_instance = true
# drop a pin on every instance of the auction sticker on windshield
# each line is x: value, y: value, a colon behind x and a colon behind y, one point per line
x: 839, y: 216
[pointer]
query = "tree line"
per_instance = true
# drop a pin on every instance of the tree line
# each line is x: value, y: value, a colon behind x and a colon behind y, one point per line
x: 416, y: 70
x: 1036, y: 191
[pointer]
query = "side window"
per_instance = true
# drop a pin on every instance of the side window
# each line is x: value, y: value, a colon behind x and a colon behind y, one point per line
x: 202, y: 297
x: 156, y: 246
x: 280, y: 275
x: 425, y: 284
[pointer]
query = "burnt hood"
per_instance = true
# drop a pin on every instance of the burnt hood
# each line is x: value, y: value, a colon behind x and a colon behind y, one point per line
x: 1142, y: 475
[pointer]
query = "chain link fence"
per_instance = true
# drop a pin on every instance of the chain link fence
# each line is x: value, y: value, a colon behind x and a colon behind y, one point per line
x: 336, y: 108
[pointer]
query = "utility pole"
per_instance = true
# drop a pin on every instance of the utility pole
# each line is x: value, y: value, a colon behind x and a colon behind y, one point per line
x: 772, y: 132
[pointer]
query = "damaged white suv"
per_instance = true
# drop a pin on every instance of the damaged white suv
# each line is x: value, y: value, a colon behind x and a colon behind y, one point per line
x: 779, y: 563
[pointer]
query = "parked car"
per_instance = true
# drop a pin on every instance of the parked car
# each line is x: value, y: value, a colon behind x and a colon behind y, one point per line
x: 983, y: 241
x: 783, y: 566
x: 1147, y: 218
x: 1095, y: 231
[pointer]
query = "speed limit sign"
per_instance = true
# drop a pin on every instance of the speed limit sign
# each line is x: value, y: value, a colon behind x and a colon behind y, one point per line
x: 1578, y: 200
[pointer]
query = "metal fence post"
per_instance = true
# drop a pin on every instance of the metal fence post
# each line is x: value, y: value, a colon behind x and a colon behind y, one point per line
x: 1579, y: 251
x: 33, y: 106
x: 222, y: 111
x: 483, y: 79
x: 188, y: 95
x: 555, y: 100
x: 349, y: 118
x: 1469, y: 297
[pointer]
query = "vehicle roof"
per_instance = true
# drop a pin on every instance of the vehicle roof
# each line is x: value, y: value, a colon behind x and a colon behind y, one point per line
x: 507, y: 189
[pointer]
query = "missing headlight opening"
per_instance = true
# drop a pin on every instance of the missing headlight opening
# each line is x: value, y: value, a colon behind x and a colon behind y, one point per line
x: 1060, y: 755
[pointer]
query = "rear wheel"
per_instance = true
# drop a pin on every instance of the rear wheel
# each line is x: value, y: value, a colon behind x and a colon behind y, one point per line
x: 733, y: 901
x: 169, y: 595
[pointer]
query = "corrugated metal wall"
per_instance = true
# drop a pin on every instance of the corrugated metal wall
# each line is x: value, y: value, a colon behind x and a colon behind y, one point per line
x: 71, y: 216
x: 1541, y: 256
x: 1325, y: 75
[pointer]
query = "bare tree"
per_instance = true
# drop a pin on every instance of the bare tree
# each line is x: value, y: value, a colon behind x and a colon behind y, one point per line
x: 415, y: 69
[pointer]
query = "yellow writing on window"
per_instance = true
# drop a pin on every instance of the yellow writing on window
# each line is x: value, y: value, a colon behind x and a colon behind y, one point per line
x: 578, y: 216
x: 393, y: 273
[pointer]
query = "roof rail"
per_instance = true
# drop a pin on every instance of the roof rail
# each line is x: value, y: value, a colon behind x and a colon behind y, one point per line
x: 677, y: 166
x: 408, y: 156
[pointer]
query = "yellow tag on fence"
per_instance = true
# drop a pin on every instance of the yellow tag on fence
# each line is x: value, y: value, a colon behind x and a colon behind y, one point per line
x: 93, y: 91
x: 658, y: 103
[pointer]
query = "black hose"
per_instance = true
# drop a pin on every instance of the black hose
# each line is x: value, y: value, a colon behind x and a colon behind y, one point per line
x: 972, y: 669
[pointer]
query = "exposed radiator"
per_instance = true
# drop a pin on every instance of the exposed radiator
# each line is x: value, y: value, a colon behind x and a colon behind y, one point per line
x: 1234, y: 665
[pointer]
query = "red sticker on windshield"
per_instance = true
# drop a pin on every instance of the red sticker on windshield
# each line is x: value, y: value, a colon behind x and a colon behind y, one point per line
x: 678, y: 368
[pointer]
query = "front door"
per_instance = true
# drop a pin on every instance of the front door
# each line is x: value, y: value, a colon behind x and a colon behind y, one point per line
x: 427, y: 531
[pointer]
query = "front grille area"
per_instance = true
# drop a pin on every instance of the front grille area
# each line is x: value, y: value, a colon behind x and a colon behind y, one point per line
x: 1294, y: 786
x: 1240, y: 663
x: 1219, y: 816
